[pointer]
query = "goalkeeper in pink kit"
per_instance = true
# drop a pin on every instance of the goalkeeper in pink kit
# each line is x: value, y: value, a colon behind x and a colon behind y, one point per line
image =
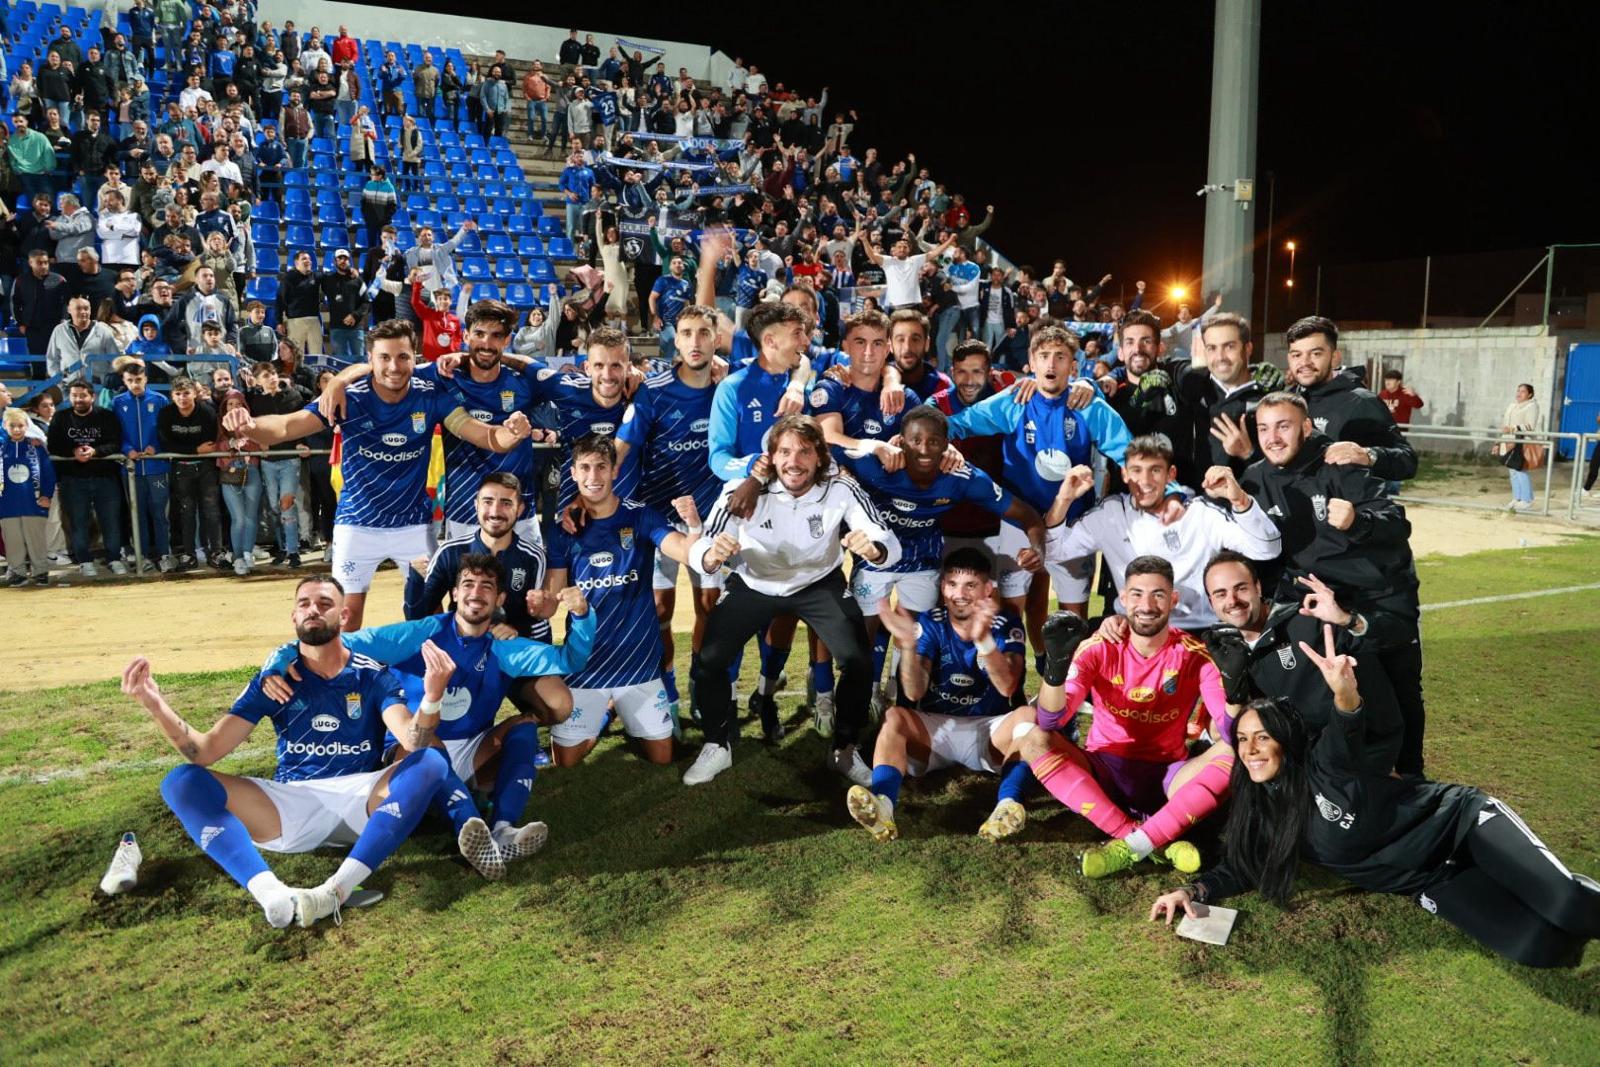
x: 1135, y: 763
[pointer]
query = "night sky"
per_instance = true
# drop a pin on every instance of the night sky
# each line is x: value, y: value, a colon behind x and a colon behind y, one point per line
x: 1394, y: 130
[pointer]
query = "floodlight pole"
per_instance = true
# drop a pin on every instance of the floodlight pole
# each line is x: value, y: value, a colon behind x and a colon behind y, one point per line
x: 1235, y: 75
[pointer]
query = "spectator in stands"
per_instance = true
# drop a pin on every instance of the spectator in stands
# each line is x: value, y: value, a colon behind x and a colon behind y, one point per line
x: 32, y: 156
x: 224, y: 267
x: 90, y: 484
x: 390, y: 77
x: 536, y: 90
x: 112, y: 182
x: 451, y: 87
x: 10, y: 246
x: 322, y: 100
x: 136, y: 409
x: 314, y: 57
x: 437, y: 260
x: 1522, y: 415
x: 93, y: 281
x: 72, y: 229
x: 111, y: 314
x: 187, y: 427
x: 80, y: 338
x: 300, y: 305
x: 346, y: 49
x: 92, y: 149
x: 296, y: 125
x: 55, y: 86
x: 346, y: 295
x: 93, y: 84
x: 425, y: 84
x: 362, y: 136
x: 172, y: 19
x: 274, y: 70
x: 25, y: 495
x: 280, y: 478
x: 580, y: 115
x: 205, y: 303
x: 441, y: 327
x: 379, y: 202
x: 38, y: 302
x: 576, y: 182
x: 571, y: 52
x: 240, y: 476
x: 410, y: 154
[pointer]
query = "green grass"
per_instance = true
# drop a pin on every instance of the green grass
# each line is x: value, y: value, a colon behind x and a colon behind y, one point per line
x: 749, y: 920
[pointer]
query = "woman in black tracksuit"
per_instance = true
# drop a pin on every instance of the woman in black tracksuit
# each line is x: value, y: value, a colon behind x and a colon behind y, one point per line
x: 1460, y: 853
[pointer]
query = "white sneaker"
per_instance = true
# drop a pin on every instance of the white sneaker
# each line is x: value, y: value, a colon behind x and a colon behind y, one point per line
x: 712, y: 761
x: 118, y: 567
x: 478, y: 848
x: 241, y: 567
x: 88, y: 570
x: 167, y: 565
x: 123, y: 874
x: 848, y: 762
x: 823, y: 712
x: 517, y: 842
x: 60, y: 559
x: 311, y: 905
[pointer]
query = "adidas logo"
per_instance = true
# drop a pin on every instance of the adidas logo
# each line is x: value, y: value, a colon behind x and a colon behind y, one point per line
x: 456, y: 797
x: 766, y: 525
x: 391, y: 808
x: 210, y: 834
x: 1275, y: 512
x: 756, y: 404
x: 526, y: 783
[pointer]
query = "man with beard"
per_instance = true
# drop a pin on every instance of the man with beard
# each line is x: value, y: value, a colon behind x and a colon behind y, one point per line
x: 89, y: 480
x: 1256, y: 647
x: 1135, y: 761
x: 789, y: 555
x: 1137, y: 523
x: 909, y: 343
x: 1355, y: 419
x: 1338, y: 524
x: 1220, y: 397
x: 1148, y: 402
x: 498, y: 759
x: 387, y: 424
x: 960, y: 665
x: 328, y: 787
x: 973, y: 379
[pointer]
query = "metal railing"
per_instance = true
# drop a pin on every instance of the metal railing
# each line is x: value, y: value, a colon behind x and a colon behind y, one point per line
x: 1472, y: 436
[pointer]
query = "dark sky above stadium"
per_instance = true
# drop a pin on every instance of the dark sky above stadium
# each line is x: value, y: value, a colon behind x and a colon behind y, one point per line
x: 1394, y: 130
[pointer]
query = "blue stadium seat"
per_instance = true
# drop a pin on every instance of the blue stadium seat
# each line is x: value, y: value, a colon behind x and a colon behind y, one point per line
x: 541, y: 271
x: 322, y: 144
x: 519, y: 225
x: 438, y: 187
x: 498, y: 244
x: 265, y: 233
x: 485, y: 291
x: 331, y: 213
x: 453, y: 153
x: 267, y: 260
x: 474, y: 268
x: 418, y: 202
x: 561, y: 248
x: 326, y: 197
x: 493, y: 189
x: 434, y: 171
x: 405, y: 240
x: 502, y: 206
x: 499, y: 142
x: 446, y: 203
x: 299, y: 236
x: 325, y: 180
x: 472, y: 140
x: 550, y: 226
x: 489, y: 223
x: 425, y: 218
x: 467, y: 187
x: 509, y: 269
x: 521, y: 296
x: 471, y: 243
x: 265, y: 289
x: 454, y: 219
x: 460, y: 172
x: 481, y: 157
x: 529, y: 246
x: 475, y: 205
x: 333, y: 237
x: 323, y: 161
x: 267, y: 211
x: 297, y: 178
x: 296, y: 195
x: 506, y: 158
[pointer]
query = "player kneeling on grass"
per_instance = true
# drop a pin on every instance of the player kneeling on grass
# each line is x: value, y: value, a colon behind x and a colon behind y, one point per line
x: 1460, y: 853
x: 497, y: 758
x: 328, y: 788
x: 1136, y: 758
x: 960, y: 663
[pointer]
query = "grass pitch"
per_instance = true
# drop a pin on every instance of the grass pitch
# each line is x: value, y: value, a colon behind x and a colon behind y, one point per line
x: 750, y: 920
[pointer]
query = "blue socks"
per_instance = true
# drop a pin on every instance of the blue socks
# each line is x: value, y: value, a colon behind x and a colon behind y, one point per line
x: 201, y: 804
x: 411, y: 789
x: 514, y: 780
x: 454, y: 799
x: 1014, y: 779
x: 886, y: 782
x: 822, y: 677
x: 670, y: 680
x: 773, y: 666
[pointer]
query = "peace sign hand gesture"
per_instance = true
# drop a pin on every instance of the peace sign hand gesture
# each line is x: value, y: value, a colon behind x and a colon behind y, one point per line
x: 1338, y: 671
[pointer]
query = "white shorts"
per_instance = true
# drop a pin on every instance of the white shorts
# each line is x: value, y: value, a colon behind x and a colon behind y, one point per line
x: 1070, y: 577
x: 666, y: 574
x: 463, y: 755
x: 916, y: 591
x: 319, y: 811
x: 643, y: 708
x: 957, y: 741
x: 525, y: 528
x: 358, y: 550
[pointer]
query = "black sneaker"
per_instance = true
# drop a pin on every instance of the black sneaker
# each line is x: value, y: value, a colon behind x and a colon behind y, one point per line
x: 293, y: 559
x: 187, y: 562
x: 41, y: 579
x: 222, y: 561
x: 766, y: 709
x: 278, y: 558
x: 15, y: 580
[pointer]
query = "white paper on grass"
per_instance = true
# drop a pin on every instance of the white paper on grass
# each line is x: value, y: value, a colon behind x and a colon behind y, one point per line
x: 1213, y: 926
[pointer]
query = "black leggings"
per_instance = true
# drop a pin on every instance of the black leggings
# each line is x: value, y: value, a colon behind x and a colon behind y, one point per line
x: 1512, y: 895
x: 832, y: 615
x: 1403, y: 664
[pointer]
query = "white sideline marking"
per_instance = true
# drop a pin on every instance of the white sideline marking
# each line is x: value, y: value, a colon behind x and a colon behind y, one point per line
x: 1510, y: 596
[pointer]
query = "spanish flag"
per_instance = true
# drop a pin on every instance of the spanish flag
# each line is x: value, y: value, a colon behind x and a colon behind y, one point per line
x: 435, y: 482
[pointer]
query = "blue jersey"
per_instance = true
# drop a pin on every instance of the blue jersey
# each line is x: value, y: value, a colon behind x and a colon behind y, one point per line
x: 466, y: 464
x: 743, y: 351
x: 914, y: 512
x: 573, y: 396
x: 861, y: 411
x: 678, y: 442
x: 674, y: 296
x: 484, y: 667
x: 743, y: 409
x: 331, y: 726
x: 605, y: 107
x: 748, y: 287
x: 384, y: 461
x: 1042, y: 440
x: 612, y: 561
x: 522, y: 560
x: 957, y: 684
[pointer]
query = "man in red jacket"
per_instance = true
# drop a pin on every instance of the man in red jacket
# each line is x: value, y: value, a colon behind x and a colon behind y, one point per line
x: 345, y: 47
x: 441, y: 329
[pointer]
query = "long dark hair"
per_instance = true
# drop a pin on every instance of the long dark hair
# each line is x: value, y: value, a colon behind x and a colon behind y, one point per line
x: 1265, y: 820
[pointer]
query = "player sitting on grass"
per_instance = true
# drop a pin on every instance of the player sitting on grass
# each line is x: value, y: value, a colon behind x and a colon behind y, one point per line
x: 498, y: 758
x: 328, y: 788
x: 959, y: 665
x: 1136, y: 758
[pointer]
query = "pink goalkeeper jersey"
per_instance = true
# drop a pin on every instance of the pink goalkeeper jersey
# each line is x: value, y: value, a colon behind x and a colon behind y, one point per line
x: 1142, y: 706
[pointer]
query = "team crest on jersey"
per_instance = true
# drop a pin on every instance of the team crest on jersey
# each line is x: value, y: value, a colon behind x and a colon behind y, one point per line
x: 1333, y: 813
x: 1319, y: 504
x: 508, y: 400
x: 814, y: 523
x: 625, y: 536
x: 1286, y: 658
x: 1069, y: 428
x: 1171, y: 538
x: 1141, y: 694
x: 1169, y: 682
x: 519, y: 578
x: 819, y: 397
x: 352, y: 705
x: 419, y: 422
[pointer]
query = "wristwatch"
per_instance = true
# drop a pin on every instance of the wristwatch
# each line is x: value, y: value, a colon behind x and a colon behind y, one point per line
x: 1372, y: 457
